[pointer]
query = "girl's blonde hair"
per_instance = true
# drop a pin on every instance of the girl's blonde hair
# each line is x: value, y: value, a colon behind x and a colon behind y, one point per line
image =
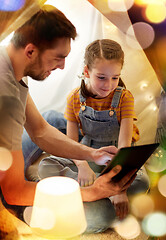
x: 101, y: 49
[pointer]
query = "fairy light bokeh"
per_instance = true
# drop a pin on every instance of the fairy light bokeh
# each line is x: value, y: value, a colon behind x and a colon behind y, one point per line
x: 154, y: 224
x: 129, y: 228
x: 27, y: 214
x: 141, y: 205
x: 147, y: 2
x: 120, y: 5
x: 144, y: 34
x: 6, y: 155
x: 162, y: 185
x: 155, y: 13
x: 11, y: 5
x: 42, y: 222
x: 157, y: 161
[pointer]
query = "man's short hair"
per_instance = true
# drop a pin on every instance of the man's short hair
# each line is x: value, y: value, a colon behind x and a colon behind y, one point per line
x: 43, y: 29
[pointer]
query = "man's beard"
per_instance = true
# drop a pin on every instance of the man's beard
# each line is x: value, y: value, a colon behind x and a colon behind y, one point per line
x: 37, y: 77
x: 32, y: 68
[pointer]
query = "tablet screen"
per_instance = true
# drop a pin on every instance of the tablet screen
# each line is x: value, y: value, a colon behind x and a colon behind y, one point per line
x: 130, y: 158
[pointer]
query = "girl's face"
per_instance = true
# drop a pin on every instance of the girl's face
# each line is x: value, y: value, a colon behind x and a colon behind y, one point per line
x: 103, y: 77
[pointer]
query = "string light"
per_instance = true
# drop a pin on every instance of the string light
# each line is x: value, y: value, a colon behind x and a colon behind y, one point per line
x: 143, y: 86
x: 149, y: 97
x: 154, y: 108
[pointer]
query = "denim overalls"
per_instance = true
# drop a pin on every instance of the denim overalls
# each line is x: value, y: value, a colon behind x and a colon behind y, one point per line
x: 100, y: 128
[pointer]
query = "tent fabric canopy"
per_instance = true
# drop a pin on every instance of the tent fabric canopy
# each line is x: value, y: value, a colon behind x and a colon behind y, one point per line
x: 138, y: 74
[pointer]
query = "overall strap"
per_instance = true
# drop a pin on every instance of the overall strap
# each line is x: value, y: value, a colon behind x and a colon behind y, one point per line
x: 116, y: 97
x: 82, y: 99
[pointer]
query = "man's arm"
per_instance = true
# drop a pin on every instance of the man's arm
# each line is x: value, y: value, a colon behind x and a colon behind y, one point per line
x: 15, y: 189
x: 104, y: 187
x: 53, y: 141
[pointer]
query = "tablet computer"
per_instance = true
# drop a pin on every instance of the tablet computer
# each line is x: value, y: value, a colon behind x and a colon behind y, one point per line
x: 130, y: 158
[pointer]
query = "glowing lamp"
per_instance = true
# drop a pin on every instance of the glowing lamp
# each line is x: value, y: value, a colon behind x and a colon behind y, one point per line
x: 58, y: 211
x: 11, y: 5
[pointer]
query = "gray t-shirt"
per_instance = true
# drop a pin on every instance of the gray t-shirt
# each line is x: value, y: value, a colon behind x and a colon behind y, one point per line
x: 13, y: 97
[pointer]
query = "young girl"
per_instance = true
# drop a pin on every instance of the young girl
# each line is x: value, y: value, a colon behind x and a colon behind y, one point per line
x: 103, y: 109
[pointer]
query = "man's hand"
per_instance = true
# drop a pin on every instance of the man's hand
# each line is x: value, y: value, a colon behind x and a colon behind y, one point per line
x: 104, y: 187
x: 121, y: 204
x: 103, y: 155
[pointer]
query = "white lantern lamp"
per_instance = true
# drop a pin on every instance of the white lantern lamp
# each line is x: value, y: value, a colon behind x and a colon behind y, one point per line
x: 58, y: 211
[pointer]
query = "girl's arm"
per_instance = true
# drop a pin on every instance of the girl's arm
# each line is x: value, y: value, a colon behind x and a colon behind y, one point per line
x: 120, y: 201
x: 72, y: 130
x: 126, y: 132
x: 86, y: 176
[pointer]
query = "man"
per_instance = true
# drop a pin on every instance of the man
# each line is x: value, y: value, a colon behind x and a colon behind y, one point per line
x: 37, y: 48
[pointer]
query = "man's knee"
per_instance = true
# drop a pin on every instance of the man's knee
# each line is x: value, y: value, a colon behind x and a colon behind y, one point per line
x: 99, y: 215
x: 56, y: 119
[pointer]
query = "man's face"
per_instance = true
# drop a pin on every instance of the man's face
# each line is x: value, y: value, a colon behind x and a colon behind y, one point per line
x: 49, y: 60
